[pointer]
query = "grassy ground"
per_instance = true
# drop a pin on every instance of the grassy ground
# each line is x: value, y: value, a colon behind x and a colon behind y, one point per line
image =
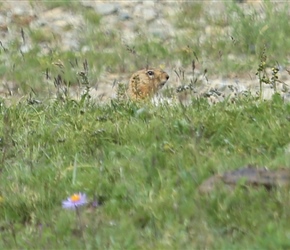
x: 142, y: 163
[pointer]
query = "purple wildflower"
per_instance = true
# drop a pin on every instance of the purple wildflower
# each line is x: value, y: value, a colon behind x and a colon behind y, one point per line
x: 74, y: 201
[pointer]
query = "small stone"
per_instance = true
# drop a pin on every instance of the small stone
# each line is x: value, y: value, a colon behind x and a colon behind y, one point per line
x: 25, y: 48
x: 53, y: 14
x: 124, y: 15
x: 148, y: 3
x: 161, y: 28
x: 106, y: 8
x: 149, y: 14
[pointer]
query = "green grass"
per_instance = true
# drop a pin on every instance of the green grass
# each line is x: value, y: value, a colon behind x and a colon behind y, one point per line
x: 143, y: 163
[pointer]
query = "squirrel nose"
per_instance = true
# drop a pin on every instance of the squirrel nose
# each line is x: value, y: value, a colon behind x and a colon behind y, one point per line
x: 167, y: 77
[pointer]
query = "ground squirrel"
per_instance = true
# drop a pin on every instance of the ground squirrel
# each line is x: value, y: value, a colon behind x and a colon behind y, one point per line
x: 146, y: 82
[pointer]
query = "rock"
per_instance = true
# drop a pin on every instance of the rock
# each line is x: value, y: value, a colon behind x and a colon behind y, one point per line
x: 161, y: 28
x: 124, y: 15
x: 53, y: 14
x: 106, y: 8
x: 147, y: 14
x: 248, y: 176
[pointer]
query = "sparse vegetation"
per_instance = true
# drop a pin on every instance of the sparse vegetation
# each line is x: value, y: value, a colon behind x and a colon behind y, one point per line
x: 236, y: 37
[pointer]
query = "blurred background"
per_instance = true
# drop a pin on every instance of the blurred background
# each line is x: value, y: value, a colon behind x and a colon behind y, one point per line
x: 225, y: 40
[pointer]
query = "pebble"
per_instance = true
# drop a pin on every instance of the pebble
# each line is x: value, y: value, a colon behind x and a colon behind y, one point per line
x: 106, y: 8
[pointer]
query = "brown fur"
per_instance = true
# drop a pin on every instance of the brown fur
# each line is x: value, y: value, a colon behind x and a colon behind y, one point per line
x: 146, y: 82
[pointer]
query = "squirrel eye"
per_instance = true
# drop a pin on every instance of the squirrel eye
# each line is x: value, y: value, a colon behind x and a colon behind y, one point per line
x: 150, y: 73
